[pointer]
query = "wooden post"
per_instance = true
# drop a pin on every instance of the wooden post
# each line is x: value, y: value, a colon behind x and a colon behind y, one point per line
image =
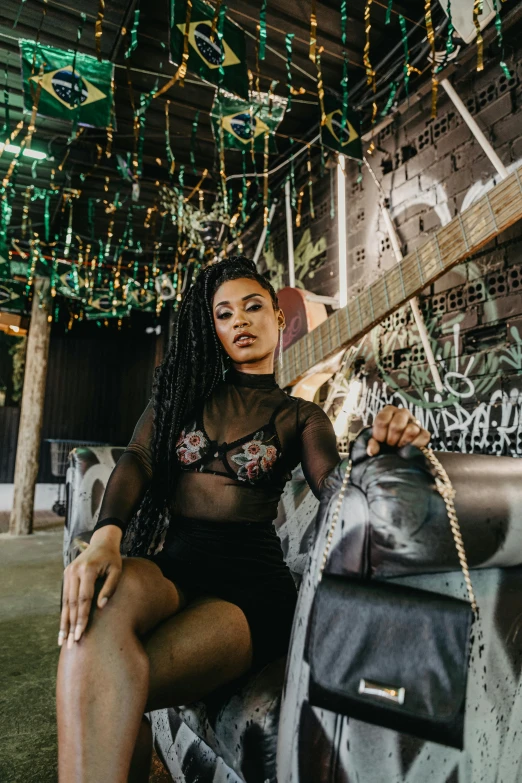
x: 31, y: 415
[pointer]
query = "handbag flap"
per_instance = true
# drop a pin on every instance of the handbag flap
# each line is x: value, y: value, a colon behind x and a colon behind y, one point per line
x: 380, y: 643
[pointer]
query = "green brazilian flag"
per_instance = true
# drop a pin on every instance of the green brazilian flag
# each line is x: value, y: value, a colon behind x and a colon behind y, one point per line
x: 241, y: 121
x: 347, y: 141
x: 12, y: 296
x: 85, y: 95
x: 70, y: 281
x: 139, y: 298
x: 220, y: 62
x: 106, y: 305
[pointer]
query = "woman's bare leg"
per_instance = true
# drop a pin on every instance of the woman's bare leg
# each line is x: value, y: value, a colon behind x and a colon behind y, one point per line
x: 205, y: 645
x: 142, y: 755
x: 194, y: 652
x: 103, y: 681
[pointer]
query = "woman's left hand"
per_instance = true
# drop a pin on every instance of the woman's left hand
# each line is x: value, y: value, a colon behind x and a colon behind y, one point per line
x: 396, y: 427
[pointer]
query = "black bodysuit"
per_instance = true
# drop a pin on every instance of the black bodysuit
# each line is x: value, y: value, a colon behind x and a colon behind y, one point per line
x: 235, y: 457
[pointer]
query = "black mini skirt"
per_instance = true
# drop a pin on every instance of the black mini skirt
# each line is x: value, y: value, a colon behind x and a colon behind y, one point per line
x: 240, y: 562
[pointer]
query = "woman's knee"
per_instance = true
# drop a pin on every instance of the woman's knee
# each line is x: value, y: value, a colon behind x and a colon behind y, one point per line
x: 142, y: 598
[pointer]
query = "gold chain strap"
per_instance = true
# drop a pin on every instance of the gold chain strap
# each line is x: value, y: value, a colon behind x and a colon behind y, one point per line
x: 446, y: 491
x: 335, y: 516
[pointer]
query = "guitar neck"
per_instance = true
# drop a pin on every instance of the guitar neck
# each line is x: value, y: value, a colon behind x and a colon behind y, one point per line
x: 449, y: 245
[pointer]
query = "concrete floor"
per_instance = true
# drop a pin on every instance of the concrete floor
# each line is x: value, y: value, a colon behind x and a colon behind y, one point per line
x: 30, y: 582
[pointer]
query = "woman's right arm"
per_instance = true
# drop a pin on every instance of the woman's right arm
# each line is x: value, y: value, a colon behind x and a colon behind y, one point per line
x: 125, y: 489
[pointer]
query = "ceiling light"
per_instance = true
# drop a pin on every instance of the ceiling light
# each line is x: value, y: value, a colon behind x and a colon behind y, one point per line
x: 28, y: 153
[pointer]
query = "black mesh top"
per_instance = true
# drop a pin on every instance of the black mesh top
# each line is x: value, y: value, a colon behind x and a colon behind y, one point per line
x: 235, y: 454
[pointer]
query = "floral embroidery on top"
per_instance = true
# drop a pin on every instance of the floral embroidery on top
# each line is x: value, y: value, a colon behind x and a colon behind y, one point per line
x: 257, y: 458
x: 190, y: 445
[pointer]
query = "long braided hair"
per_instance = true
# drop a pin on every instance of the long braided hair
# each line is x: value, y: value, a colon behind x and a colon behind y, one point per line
x: 189, y: 373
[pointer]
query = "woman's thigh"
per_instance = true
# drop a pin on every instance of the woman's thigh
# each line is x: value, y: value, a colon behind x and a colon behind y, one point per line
x: 143, y: 597
x: 205, y: 645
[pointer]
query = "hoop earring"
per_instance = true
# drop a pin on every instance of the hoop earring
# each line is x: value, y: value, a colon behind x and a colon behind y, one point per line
x: 280, y: 357
x: 223, y: 368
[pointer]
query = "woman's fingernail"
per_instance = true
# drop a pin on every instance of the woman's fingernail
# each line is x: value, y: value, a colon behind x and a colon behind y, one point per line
x: 70, y: 641
x: 61, y: 635
x: 77, y: 632
x: 103, y: 601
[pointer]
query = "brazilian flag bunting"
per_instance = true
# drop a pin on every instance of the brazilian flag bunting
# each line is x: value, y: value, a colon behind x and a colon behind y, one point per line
x: 12, y: 296
x: 244, y: 121
x: 221, y: 62
x: 141, y: 298
x: 84, y: 95
x: 105, y: 305
x: 70, y: 281
x: 347, y: 140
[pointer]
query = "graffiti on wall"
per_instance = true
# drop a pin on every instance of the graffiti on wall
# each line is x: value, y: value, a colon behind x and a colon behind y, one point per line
x: 308, y: 256
x: 480, y: 407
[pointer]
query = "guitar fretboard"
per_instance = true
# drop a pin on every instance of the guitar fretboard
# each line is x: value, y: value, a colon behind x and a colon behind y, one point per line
x: 449, y: 245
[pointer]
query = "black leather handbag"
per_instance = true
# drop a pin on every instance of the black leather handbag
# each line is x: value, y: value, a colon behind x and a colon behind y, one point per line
x: 388, y: 654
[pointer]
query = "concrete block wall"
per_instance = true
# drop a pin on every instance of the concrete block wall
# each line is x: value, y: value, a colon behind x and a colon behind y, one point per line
x: 430, y: 170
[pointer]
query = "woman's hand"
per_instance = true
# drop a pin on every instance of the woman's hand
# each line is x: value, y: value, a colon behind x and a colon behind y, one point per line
x: 396, y: 427
x: 101, y: 558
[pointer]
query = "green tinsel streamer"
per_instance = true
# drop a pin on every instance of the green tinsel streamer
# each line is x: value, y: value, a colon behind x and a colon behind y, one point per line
x: 243, y: 188
x: 181, y: 178
x: 193, y: 142
x: 388, y: 12
x: 46, y: 217
x: 134, y: 34
x: 322, y: 163
x: 404, y: 34
x: 170, y: 155
x: 391, y: 98
x: 293, y: 191
x: 344, y: 80
x: 145, y: 100
x: 332, y: 195
x: 90, y: 217
x: 268, y: 225
x: 262, y: 30
x: 288, y: 43
x: 18, y: 14
x: 500, y: 38
x: 7, y: 124
x: 75, y: 93
x: 220, y: 29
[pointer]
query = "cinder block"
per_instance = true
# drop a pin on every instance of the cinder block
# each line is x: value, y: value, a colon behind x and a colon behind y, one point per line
x: 453, y: 140
x: 466, y: 320
x: 501, y: 308
x: 422, y: 161
x: 494, y: 112
x: 516, y: 150
x: 507, y: 129
x: 513, y: 255
x: 459, y: 181
x: 429, y: 221
x: 463, y: 156
x: 402, y: 192
x: 409, y: 231
x: 414, y: 211
x: 438, y: 172
x: 456, y: 276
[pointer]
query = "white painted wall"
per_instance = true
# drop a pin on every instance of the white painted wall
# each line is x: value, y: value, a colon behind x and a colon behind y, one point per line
x: 45, y: 496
